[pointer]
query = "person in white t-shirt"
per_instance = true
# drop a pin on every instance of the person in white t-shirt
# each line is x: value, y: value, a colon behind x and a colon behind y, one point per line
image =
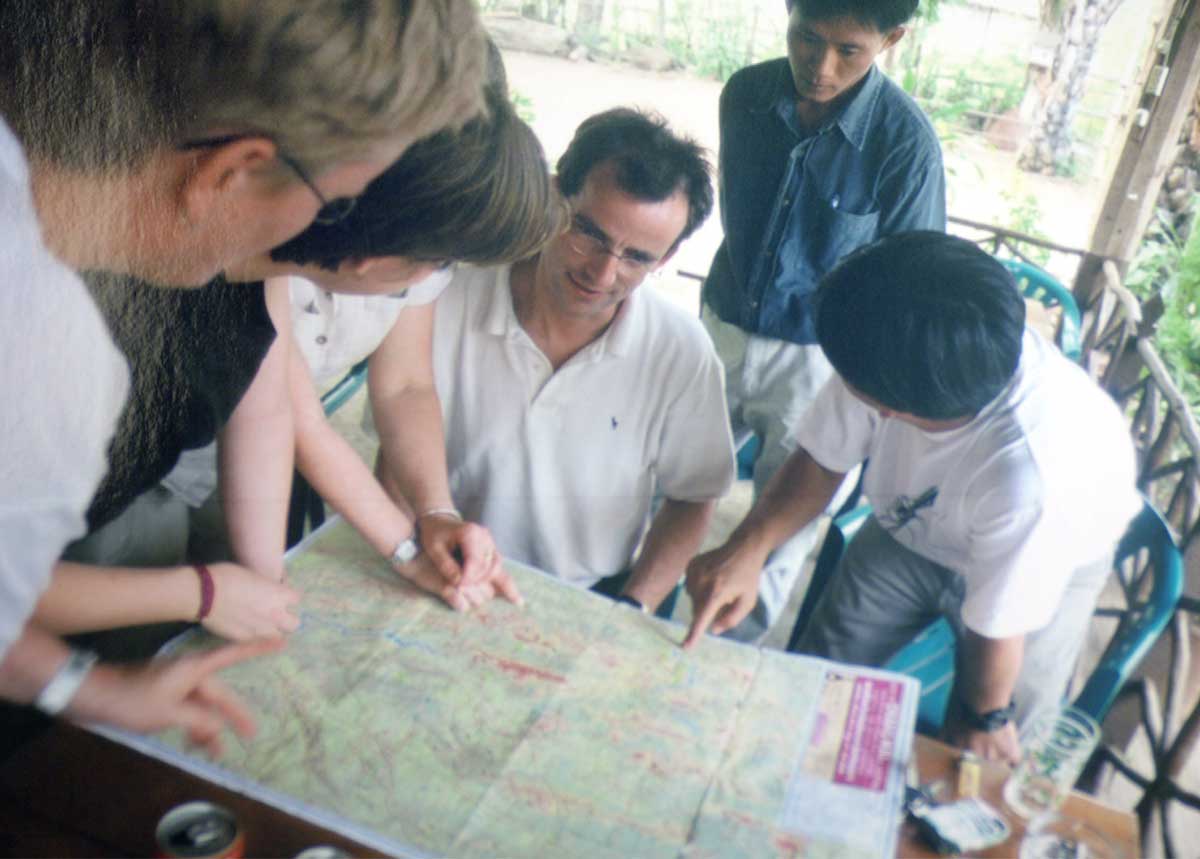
x: 169, y: 168
x: 571, y: 397
x: 482, y: 193
x: 1001, y: 478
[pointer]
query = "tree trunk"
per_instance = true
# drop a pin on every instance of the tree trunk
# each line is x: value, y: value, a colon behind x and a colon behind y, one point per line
x: 1050, y: 144
x: 589, y: 17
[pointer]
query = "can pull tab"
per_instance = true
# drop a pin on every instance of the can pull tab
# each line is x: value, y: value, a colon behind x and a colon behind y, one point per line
x: 202, y: 833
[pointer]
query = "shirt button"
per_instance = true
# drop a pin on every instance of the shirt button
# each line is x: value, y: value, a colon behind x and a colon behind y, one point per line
x: 322, y: 339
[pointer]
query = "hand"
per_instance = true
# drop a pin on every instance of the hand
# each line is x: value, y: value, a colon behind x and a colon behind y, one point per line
x: 723, y: 586
x: 447, y: 539
x: 172, y: 693
x: 462, y: 597
x: 247, y: 605
x: 1001, y: 744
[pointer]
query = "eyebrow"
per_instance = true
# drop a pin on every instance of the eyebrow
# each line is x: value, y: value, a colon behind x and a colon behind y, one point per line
x: 636, y: 254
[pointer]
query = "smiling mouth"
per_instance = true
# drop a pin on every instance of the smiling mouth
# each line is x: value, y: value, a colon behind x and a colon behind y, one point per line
x: 579, y: 287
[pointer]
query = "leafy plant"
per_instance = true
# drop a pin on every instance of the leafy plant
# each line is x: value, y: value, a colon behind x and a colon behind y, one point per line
x: 1168, y: 265
x: 522, y: 104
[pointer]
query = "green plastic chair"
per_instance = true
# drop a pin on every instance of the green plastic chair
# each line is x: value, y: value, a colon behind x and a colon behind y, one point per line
x: 1038, y: 285
x: 1148, y: 565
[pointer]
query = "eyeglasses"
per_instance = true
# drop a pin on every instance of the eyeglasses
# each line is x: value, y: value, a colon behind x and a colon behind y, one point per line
x: 331, y: 212
x: 587, y: 240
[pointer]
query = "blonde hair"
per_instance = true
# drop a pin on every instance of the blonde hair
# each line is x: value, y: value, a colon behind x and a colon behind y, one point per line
x: 100, y: 85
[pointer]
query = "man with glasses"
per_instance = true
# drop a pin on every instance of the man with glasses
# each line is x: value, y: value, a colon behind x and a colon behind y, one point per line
x: 572, y: 398
x: 167, y: 141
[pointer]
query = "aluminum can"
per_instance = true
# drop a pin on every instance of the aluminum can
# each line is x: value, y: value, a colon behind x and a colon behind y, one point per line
x: 199, y: 830
x: 322, y: 851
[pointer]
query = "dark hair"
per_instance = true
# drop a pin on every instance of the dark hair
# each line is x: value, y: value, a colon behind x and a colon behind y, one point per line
x: 923, y: 323
x: 652, y: 162
x: 883, y: 15
x: 480, y: 195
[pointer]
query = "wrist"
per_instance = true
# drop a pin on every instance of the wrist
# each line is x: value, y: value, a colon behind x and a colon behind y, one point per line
x: 208, y: 592
x: 986, y: 719
x: 406, y: 549
x: 633, y: 601
x: 66, y: 682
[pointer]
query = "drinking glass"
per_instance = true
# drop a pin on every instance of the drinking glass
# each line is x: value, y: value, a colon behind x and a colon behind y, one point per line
x: 1054, y: 748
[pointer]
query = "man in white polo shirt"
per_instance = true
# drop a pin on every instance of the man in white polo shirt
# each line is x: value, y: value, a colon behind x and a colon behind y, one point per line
x: 1001, y: 478
x: 572, y: 399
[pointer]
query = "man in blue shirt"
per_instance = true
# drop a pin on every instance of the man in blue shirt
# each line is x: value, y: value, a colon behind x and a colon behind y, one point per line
x: 820, y: 154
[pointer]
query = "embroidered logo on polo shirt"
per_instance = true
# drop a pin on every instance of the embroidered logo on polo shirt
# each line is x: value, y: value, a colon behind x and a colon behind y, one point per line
x: 905, y: 509
x: 614, y: 422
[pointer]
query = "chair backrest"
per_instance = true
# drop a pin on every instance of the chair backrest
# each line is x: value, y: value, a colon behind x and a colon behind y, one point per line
x: 346, y: 387
x: 1148, y: 565
x: 1039, y: 285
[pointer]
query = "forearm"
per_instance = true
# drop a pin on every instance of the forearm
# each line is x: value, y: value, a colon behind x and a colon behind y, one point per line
x: 343, y: 480
x: 673, y: 539
x: 412, y: 449
x: 255, y: 455
x: 797, y: 494
x: 408, y: 414
x: 83, y: 598
x: 987, y: 670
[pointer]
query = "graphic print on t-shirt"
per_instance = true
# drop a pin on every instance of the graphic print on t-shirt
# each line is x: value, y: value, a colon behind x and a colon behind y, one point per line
x: 905, y: 509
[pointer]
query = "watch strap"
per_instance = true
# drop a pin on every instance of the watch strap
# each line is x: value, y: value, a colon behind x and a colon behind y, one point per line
x: 636, y: 603
x: 992, y: 720
x: 62, y: 687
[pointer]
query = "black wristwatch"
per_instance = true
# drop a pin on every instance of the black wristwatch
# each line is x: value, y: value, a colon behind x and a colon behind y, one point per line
x: 992, y: 720
x: 636, y: 603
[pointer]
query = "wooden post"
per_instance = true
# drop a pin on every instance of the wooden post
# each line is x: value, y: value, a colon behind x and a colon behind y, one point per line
x: 1149, y: 148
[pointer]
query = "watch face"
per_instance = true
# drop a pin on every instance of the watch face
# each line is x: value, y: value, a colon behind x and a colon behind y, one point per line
x: 406, y: 551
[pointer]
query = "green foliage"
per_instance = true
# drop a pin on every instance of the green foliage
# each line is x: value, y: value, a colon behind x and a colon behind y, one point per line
x: 1024, y: 216
x: 522, y: 104
x: 1167, y: 265
x: 715, y: 47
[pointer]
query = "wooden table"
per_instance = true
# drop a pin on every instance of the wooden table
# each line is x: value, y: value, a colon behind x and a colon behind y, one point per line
x: 937, y: 761
x: 72, y: 793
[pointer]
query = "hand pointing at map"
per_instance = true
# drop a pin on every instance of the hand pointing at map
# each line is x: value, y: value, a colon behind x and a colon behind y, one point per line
x: 723, y: 586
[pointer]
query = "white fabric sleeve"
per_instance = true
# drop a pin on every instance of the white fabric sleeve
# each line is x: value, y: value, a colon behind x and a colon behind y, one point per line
x: 64, y: 385
x: 838, y: 428
x: 1018, y: 566
x: 428, y: 290
x: 696, y: 460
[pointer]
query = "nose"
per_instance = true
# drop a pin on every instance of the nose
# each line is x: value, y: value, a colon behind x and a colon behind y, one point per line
x: 602, y: 269
x: 825, y: 65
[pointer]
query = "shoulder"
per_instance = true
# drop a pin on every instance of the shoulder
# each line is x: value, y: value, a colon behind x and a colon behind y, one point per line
x: 668, y: 329
x: 899, y: 116
x: 756, y: 85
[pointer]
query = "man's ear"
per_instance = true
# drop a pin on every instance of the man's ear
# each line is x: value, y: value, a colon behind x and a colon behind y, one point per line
x: 221, y: 171
x: 893, y: 37
x: 361, y: 265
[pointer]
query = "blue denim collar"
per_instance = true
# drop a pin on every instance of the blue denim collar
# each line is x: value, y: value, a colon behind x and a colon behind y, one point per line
x: 853, y: 121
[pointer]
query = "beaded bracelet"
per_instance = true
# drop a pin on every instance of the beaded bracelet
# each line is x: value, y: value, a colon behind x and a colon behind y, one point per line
x: 208, y: 591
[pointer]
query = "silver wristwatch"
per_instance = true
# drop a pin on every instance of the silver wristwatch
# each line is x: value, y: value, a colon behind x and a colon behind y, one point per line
x: 406, y: 550
x: 62, y: 687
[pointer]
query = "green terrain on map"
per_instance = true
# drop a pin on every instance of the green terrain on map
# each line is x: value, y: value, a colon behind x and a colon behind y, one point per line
x: 574, y: 726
